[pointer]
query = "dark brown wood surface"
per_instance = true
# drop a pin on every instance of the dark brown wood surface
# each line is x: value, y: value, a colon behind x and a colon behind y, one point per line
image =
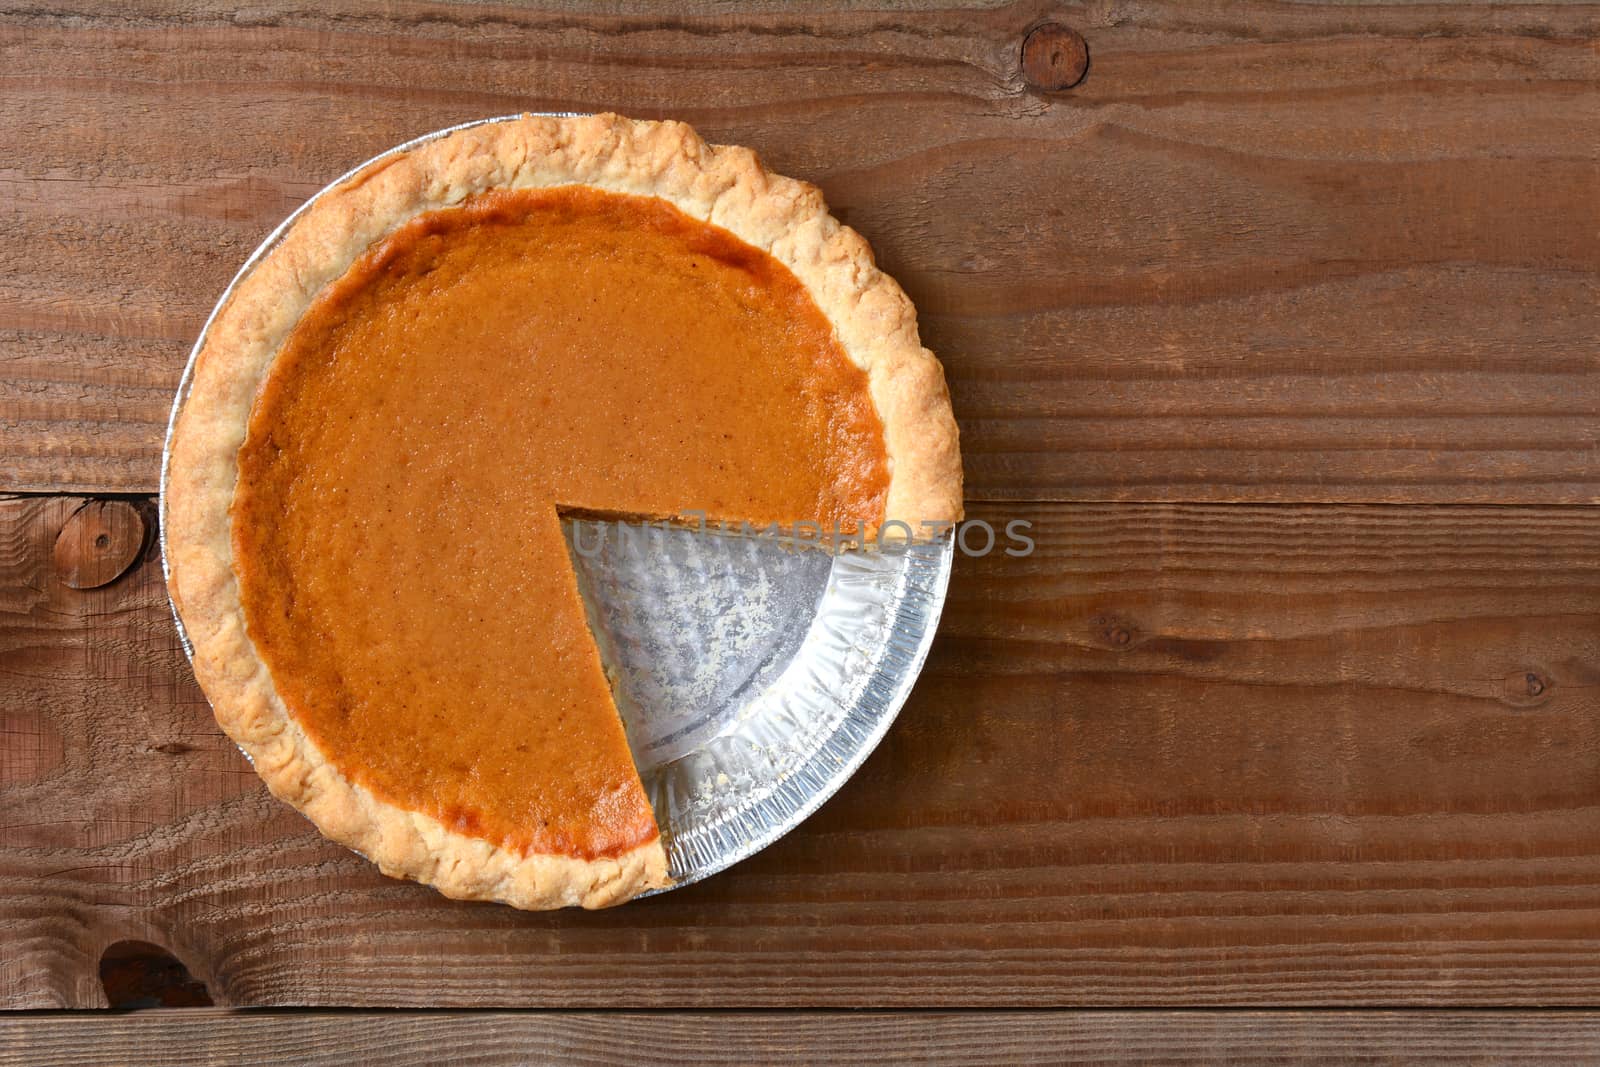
x: 1173, y: 1039
x: 1190, y: 754
x: 1285, y: 251
x: 1281, y: 328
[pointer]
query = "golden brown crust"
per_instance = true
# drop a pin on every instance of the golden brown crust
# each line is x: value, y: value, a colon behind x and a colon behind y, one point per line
x: 726, y: 186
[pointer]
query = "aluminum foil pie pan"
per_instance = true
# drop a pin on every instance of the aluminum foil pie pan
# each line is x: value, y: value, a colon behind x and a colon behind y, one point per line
x: 753, y: 673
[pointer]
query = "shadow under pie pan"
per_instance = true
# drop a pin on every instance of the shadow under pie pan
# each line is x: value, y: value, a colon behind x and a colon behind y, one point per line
x: 753, y: 675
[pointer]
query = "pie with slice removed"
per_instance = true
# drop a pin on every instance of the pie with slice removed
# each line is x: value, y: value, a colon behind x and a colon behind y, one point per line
x: 440, y: 356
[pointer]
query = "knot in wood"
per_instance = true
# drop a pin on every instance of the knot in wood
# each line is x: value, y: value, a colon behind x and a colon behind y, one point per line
x: 1114, y: 632
x: 99, y: 542
x: 1054, y: 57
x: 1526, y: 688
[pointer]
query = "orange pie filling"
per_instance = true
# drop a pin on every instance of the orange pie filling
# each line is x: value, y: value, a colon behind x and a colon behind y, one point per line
x: 395, y: 528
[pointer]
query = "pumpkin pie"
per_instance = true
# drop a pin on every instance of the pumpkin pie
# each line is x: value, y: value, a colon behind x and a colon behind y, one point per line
x: 439, y: 357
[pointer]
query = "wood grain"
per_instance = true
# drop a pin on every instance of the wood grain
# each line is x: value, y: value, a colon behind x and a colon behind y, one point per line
x: 1286, y: 252
x: 205, y: 1037
x: 1180, y: 754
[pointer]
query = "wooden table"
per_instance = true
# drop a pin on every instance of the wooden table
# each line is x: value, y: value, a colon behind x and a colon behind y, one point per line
x: 1280, y: 327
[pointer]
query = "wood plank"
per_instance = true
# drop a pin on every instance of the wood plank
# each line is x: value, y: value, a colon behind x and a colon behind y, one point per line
x: 1276, y: 252
x: 1180, y: 754
x: 195, y: 1038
